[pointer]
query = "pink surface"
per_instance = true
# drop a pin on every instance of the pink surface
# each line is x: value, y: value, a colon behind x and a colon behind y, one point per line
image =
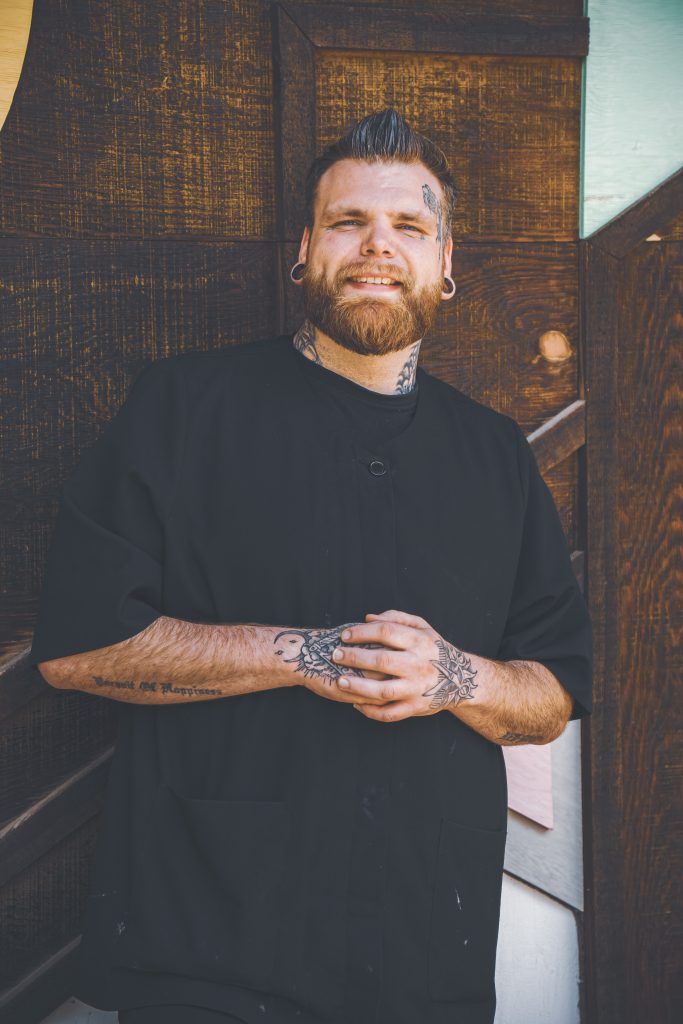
x: 530, y: 782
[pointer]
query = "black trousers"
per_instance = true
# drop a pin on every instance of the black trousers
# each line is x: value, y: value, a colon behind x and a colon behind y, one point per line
x: 176, y: 1014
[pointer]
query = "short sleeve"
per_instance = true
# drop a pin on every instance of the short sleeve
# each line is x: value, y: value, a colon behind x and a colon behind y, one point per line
x: 103, y: 578
x: 548, y: 619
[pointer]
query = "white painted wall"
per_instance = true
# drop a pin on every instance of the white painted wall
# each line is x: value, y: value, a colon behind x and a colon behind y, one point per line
x: 537, y: 966
x: 75, y: 1012
x: 632, y: 136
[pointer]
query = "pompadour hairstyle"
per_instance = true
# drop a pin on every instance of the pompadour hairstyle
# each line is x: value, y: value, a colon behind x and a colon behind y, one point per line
x: 382, y: 137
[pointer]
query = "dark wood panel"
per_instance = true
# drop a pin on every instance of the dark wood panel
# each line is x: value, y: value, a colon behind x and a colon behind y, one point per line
x: 509, y: 128
x: 560, y: 435
x: 45, y: 742
x: 42, y: 908
x: 439, y: 28
x: 47, y: 985
x: 80, y: 320
x: 564, y: 8
x: 142, y: 119
x: 632, y: 766
x: 649, y: 529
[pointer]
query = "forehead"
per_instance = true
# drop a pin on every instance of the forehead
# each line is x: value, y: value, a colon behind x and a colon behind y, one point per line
x: 390, y: 186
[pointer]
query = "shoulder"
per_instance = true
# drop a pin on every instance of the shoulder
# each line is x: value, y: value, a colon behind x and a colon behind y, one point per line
x: 192, y: 377
x: 478, y: 418
x: 218, y: 366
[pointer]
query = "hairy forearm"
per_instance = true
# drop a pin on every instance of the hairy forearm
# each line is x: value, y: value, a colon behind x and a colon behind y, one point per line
x: 174, y: 661
x: 511, y: 702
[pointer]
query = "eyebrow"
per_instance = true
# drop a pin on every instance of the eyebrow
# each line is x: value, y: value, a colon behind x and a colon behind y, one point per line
x: 414, y: 215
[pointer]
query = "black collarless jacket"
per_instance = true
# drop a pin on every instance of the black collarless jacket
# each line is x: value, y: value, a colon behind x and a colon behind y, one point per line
x: 278, y: 855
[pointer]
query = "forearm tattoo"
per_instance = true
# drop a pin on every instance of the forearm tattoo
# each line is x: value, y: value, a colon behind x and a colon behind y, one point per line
x: 520, y: 737
x: 153, y: 687
x: 435, y: 206
x: 304, y: 342
x: 406, y: 378
x: 312, y: 651
x: 456, y: 677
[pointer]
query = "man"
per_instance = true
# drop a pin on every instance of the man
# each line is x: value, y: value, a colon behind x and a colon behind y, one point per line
x: 324, y: 588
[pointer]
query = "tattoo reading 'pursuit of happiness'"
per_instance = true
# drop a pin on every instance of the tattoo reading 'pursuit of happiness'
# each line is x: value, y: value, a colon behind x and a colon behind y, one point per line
x: 153, y: 687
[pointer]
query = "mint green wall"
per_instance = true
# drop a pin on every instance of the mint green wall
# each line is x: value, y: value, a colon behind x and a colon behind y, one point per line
x: 632, y: 136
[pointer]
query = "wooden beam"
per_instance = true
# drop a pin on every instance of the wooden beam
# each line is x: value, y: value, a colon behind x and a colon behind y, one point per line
x: 559, y: 436
x: 436, y: 28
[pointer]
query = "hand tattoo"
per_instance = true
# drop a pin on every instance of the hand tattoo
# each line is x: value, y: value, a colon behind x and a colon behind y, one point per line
x: 456, y: 677
x: 313, y: 651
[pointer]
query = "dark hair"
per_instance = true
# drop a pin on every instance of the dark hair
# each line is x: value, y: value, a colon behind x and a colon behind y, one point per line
x: 380, y: 137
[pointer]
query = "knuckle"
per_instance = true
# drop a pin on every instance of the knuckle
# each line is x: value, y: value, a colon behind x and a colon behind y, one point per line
x: 383, y: 662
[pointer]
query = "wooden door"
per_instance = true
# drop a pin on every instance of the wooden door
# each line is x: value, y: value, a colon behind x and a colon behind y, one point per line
x: 632, y: 283
x: 151, y: 201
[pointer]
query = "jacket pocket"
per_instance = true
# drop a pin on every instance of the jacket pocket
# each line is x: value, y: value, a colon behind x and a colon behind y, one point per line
x: 207, y: 895
x: 465, y: 912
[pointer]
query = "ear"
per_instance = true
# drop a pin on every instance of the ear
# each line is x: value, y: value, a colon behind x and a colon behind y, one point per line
x: 447, y: 257
x: 303, y: 247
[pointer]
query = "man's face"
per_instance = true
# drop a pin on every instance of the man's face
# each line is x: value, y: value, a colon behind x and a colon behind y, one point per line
x: 375, y: 220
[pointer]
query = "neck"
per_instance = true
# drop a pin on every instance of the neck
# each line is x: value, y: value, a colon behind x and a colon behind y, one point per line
x: 390, y: 374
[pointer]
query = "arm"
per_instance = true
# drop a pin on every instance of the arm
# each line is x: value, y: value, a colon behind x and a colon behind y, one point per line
x: 514, y: 702
x: 508, y: 702
x: 173, y: 661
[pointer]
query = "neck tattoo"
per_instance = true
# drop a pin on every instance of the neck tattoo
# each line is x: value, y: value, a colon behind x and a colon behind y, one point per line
x: 304, y: 341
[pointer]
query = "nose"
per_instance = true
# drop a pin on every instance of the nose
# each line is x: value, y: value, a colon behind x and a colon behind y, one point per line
x: 376, y: 241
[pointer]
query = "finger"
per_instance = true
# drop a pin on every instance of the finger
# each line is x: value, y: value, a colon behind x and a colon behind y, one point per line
x: 395, y: 689
x: 403, y: 617
x: 379, y: 659
x: 395, y: 712
x: 382, y: 631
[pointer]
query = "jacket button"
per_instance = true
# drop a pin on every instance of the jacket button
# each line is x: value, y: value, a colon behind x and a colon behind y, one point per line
x: 377, y: 468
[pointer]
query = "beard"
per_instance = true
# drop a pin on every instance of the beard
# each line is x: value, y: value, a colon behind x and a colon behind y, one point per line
x: 364, y: 322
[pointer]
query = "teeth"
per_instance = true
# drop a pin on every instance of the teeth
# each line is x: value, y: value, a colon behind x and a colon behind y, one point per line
x: 374, y: 280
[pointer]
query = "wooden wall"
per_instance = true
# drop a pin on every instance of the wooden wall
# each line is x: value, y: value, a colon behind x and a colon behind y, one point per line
x: 151, y: 176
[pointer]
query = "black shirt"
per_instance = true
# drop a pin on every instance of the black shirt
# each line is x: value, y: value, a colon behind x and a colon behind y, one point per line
x: 276, y: 854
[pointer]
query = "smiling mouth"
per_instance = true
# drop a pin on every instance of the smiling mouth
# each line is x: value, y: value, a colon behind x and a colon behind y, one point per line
x: 374, y: 285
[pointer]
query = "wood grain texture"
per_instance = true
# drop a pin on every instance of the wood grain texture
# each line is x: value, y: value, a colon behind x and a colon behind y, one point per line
x: 294, y: 66
x: 564, y: 8
x: 80, y: 321
x: 142, y: 119
x: 509, y: 128
x: 46, y: 743
x: 15, y: 24
x: 151, y: 203
x: 439, y: 28
x: 42, y: 907
x: 633, y: 763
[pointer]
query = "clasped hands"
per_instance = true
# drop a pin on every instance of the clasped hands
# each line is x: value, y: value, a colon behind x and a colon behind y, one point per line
x: 423, y: 672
